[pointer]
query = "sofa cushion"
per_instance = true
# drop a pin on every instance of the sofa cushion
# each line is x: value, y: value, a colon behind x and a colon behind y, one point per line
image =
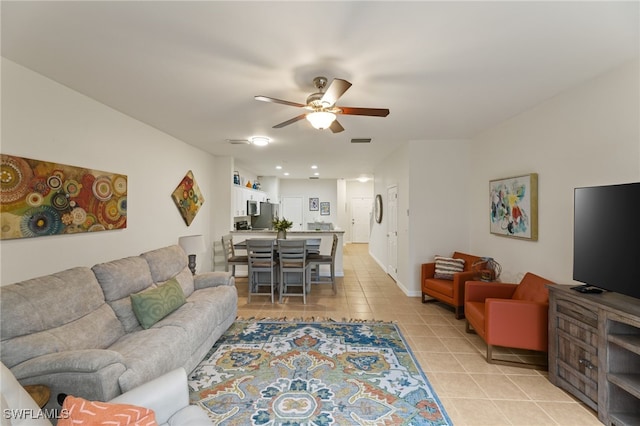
x: 80, y: 411
x: 150, y: 306
x: 150, y: 353
x: 58, y: 312
x: 169, y: 262
x: 96, y: 330
x: 35, y: 305
x: 119, y: 278
x: 532, y: 288
x: 447, y: 266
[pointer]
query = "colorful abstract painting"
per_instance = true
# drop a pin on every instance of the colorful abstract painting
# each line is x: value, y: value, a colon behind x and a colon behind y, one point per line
x: 40, y: 198
x: 514, y: 206
x: 188, y: 198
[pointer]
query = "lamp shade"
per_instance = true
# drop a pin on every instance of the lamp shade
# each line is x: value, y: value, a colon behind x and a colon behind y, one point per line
x: 192, y: 244
x: 321, y: 119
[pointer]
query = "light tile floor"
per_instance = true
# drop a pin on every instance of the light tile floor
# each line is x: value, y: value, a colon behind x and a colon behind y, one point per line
x: 472, y: 391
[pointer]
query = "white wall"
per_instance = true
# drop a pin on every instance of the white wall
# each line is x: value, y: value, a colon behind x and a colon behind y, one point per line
x: 393, y: 171
x: 324, y: 189
x: 587, y: 136
x: 47, y: 121
x: 439, y: 207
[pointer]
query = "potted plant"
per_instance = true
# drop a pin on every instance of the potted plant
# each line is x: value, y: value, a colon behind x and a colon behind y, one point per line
x: 282, y: 225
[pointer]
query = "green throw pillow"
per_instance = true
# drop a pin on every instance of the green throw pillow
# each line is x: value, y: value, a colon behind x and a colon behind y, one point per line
x: 150, y: 306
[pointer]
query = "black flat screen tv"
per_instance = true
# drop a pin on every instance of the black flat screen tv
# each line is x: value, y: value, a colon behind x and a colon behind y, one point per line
x: 606, y: 237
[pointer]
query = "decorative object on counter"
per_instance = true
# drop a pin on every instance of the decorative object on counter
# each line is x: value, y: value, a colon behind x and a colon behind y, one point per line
x: 487, y: 269
x: 314, y: 204
x: 191, y: 245
x: 325, y: 209
x: 282, y: 226
x: 514, y: 207
x: 188, y: 198
x: 378, y: 208
x: 40, y: 198
x: 249, y: 184
x: 236, y: 178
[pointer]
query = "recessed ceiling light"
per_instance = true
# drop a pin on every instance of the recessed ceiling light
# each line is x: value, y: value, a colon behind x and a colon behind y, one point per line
x: 316, y: 174
x: 314, y: 166
x: 260, y: 140
x: 286, y: 173
x: 278, y: 167
x: 363, y: 179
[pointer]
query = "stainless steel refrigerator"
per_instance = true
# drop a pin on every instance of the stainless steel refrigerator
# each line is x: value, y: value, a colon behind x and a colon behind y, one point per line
x: 268, y: 211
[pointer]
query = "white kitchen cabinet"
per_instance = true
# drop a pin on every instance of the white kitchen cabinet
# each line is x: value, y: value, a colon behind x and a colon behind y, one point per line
x: 241, y: 195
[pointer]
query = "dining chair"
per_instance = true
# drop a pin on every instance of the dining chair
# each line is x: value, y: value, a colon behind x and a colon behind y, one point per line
x: 262, y: 264
x: 315, y: 260
x: 230, y: 257
x: 294, y: 268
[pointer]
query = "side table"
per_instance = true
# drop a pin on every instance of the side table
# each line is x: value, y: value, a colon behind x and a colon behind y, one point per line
x: 39, y: 393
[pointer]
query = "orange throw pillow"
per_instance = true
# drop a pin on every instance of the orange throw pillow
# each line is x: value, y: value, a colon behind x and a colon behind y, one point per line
x: 79, y: 411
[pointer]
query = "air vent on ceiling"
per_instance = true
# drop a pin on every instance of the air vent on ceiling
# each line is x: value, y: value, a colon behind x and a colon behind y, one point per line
x: 314, y: 177
x: 238, y: 141
x: 361, y: 140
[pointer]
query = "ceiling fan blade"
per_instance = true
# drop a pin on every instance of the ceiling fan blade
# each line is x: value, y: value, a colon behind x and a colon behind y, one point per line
x: 336, y: 127
x: 335, y: 90
x: 278, y: 101
x: 374, y: 112
x: 291, y: 121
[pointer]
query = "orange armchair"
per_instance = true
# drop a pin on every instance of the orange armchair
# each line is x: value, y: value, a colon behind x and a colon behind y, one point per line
x: 509, y: 315
x: 450, y: 292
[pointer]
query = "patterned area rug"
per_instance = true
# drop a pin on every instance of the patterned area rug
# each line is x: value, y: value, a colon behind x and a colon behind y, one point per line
x: 314, y: 373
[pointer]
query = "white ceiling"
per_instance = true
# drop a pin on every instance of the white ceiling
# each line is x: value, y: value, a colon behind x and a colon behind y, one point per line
x: 444, y: 69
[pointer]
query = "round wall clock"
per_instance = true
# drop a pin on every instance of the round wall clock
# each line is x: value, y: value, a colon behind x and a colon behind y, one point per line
x: 378, y: 208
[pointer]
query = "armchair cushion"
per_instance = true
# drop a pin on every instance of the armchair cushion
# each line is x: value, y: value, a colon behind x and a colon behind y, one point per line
x: 447, y: 266
x: 510, y: 315
x: 532, y: 288
x: 449, y: 291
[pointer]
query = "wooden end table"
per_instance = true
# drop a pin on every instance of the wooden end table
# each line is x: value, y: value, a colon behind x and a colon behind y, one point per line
x: 39, y: 393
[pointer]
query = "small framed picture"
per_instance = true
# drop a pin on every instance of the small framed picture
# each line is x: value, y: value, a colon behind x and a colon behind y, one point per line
x: 314, y: 204
x: 325, y: 209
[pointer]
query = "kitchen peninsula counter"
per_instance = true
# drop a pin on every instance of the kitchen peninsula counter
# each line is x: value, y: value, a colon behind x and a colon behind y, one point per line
x: 326, y: 238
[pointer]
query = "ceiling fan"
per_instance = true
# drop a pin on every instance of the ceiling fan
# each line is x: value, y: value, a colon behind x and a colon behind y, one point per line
x: 322, y: 106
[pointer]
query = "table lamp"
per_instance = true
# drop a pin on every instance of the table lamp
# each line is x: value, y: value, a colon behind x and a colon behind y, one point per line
x: 192, y: 244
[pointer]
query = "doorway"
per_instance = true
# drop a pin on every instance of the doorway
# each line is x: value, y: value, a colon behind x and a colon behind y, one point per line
x: 361, y: 219
x: 292, y: 210
x: 392, y: 231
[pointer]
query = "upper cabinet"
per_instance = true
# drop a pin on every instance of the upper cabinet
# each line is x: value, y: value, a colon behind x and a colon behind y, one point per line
x: 243, y: 194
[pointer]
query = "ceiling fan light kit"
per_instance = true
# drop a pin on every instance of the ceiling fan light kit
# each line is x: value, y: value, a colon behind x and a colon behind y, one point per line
x: 321, y: 119
x: 322, y: 106
x: 260, y: 140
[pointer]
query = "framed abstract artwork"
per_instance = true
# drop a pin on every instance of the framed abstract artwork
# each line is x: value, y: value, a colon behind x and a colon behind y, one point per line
x: 314, y: 204
x: 41, y: 198
x: 188, y: 198
x: 325, y: 209
x: 513, y: 207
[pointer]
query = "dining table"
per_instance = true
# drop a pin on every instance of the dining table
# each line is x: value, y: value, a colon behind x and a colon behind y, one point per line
x: 313, y: 244
x: 312, y: 247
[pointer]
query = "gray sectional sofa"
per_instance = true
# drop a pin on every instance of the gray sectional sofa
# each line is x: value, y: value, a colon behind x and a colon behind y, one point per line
x: 76, y: 331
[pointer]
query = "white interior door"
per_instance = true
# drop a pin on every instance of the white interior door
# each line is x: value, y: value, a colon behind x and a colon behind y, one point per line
x: 292, y: 210
x: 361, y: 219
x: 392, y: 231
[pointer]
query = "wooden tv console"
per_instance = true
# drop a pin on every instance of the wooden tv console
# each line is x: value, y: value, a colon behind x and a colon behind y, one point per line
x: 594, y: 351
